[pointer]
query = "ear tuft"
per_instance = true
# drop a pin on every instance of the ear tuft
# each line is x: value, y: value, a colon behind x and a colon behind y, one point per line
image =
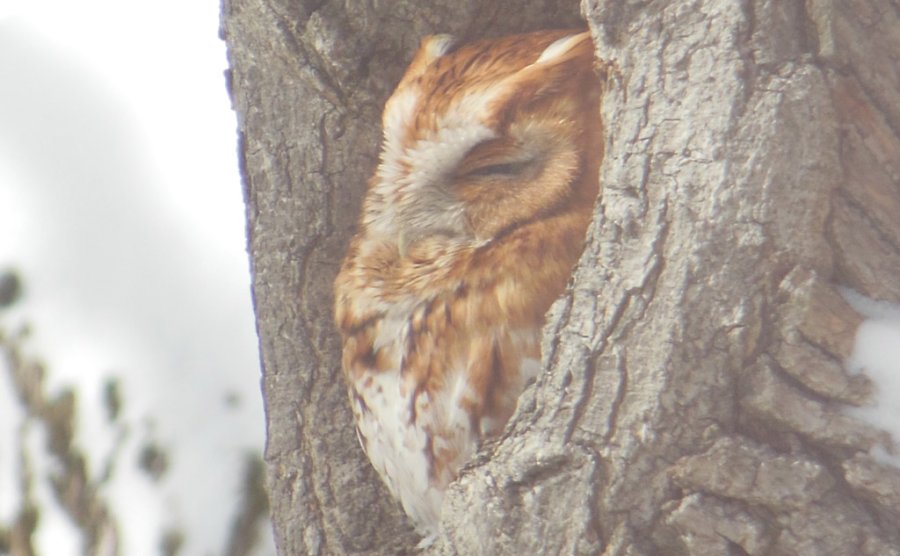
x: 561, y: 47
x: 435, y: 46
x: 431, y: 48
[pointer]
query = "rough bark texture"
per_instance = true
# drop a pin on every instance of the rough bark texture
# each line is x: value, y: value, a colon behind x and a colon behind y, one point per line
x: 693, y: 393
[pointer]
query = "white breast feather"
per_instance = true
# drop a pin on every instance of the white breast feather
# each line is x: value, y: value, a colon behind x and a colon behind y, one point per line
x: 397, y: 447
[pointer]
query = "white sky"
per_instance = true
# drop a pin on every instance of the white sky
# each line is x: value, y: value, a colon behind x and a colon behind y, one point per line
x: 120, y: 203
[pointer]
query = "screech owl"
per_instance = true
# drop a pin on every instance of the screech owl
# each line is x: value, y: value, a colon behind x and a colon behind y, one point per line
x: 470, y: 229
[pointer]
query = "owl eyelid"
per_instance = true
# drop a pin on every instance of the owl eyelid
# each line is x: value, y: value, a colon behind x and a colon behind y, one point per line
x: 503, y: 168
x: 506, y: 168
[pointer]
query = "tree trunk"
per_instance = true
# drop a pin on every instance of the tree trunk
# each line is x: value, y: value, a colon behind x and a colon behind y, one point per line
x: 692, y: 394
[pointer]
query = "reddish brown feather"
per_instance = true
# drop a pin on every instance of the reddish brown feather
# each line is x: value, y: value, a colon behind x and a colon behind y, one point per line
x: 475, y: 301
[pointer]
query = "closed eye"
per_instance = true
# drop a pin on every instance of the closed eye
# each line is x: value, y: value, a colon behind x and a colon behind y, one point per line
x: 505, y: 169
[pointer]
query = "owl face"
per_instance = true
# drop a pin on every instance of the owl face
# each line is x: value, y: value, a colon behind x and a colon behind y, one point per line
x: 470, y: 229
x: 480, y: 139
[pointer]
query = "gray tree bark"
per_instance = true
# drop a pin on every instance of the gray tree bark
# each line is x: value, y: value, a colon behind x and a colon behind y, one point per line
x: 693, y: 393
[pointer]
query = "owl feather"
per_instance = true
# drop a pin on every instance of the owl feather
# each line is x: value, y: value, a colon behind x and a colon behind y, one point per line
x: 470, y: 229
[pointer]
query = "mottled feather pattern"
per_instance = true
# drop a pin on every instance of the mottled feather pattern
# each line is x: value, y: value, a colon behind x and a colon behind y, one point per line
x: 469, y: 231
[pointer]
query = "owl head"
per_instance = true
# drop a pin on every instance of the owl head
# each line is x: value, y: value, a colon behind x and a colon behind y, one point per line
x: 481, y: 139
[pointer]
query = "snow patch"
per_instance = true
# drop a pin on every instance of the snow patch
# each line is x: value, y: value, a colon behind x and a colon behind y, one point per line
x: 876, y: 353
